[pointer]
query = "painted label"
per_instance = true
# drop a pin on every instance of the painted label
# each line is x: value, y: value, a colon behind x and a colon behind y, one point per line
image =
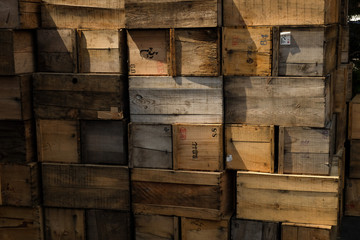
x: 285, y: 38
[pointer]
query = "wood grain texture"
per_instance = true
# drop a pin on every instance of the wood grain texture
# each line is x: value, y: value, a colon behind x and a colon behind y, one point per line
x: 156, y: 227
x: 150, y: 146
x: 200, y: 229
x: 354, y: 118
x: 341, y: 128
x: 169, y: 100
x: 352, y: 197
x: 286, y: 101
x: 288, y: 198
x: 293, y: 231
x: 254, y: 230
x: 354, y: 165
x: 173, y: 14
x: 20, y: 14
x: 343, y: 44
x: 80, y: 96
x: 86, y: 186
x: 342, y: 87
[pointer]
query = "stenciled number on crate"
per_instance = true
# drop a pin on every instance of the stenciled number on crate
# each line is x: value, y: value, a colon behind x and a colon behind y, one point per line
x: 249, y: 59
x: 214, y: 132
x: 148, y: 53
x: 264, y: 39
x: 132, y: 68
x: 194, y: 150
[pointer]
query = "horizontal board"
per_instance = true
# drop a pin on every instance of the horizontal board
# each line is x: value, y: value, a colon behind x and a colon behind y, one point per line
x: 354, y: 118
x: 293, y: 231
x: 156, y: 227
x: 254, y: 230
x: 20, y: 14
x: 192, y: 228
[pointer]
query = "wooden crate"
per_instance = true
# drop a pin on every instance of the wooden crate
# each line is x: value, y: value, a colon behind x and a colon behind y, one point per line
x: 354, y: 118
x: 168, y: 100
x: 80, y: 96
x: 289, y: 12
x: 342, y: 86
x: 58, y: 141
x: 17, y: 141
x: 254, y: 230
x: 20, y: 14
x: 150, y: 146
x: 15, y: 100
x: 57, y: 50
x: 288, y: 198
x: 343, y: 44
x: 20, y: 185
x: 16, y: 52
x: 200, y: 229
x: 310, y: 51
x: 19, y: 223
x: 205, y: 195
x: 286, y: 101
x: 104, y: 142
x: 354, y: 163
x: 296, y: 231
x: 173, y: 14
x: 250, y: 147
x: 341, y: 128
x: 102, y: 51
x: 352, y: 197
x: 198, y: 147
x: 179, y: 52
x: 83, y: 14
x: 247, y: 51
x: 156, y: 227
x: 305, y: 150
x: 86, y: 186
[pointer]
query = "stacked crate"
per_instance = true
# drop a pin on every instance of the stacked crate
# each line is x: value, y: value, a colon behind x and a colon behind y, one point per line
x: 81, y: 111
x: 278, y: 62
x: 20, y: 210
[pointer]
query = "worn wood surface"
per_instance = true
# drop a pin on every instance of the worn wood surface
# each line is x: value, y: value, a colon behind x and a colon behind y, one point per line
x: 150, y: 146
x: 173, y: 14
x: 293, y: 231
x: 342, y: 87
x: 156, y: 227
x: 286, y: 101
x: 104, y: 142
x: 354, y: 118
x: 254, y: 230
x: 169, y: 100
x: 80, y: 96
x: 247, y: 51
x: 288, y: 198
x: 192, y: 228
x: 343, y: 44
x: 354, y: 161
x: 57, y: 50
x: 341, y: 128
x: 352, y: 197
x: 15, y: 97
x: 20, y: 14
x: 198, y: 147
x: 250, y: 147
x: 86, y: 186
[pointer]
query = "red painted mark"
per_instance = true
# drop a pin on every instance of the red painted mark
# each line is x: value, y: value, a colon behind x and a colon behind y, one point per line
x: 182, y: 133
x: 235, y: 40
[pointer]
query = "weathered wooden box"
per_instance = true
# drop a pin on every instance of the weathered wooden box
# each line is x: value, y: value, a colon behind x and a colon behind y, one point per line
x: 173, y: 14
x: 342, y: 86
x: 289, y: 12
x: 20, y: 185
x: 15, y: 97
x: 57, y: 50
x: 296, y: 231
x: 247, y: 51
x: 286, y: 101
x: 198, y: 147
x: 20, y: 14
x: 16, y: 52
x: 205, y: 195
x: 354, y: 118
x: 192, y: 228
x: 250, y: 147
x: 102, y: 51
x: 354, y: 161
x: 83, y: 14
x: 17, y: 223
x: 254, y: 230
x: 150, y: 146
x: 179, y: 52
x: 86, y: 186
x: 288, y: 198
x: 305, y: 150
x: 168, y: 100
x: 80, y: 96
x: 156, y: 227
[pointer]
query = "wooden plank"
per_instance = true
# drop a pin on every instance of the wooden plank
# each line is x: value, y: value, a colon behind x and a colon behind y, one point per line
x: 17, y: 141
x: 354, y: 163
x: 19, y: 185
x: 250, y: 147
x: 247, y: 51
x: 201, y: 229
x: 105, y: 224
x: 156, y: 227
x: 198, y: 147
x: 58, y: 141
x: 150, y: 146
x: 57, y: 50
x: 15, y: 97
x: 80, y: 96
x: 343, y: 47
x: 18, y: 223
x: 341, y: 128
x: 342, y: 87
x: 352, y: 197
x: 254, y: 230
x: 60, y: 222
x: 288, y: 198
x: 287, y: 101
x: 19, y: 14
x: 294, y: 231
x: 354, y: 118
x: 86, y: 186
x: 288, y: 12
x: 102, y: 51
x: 173, y: 14
x: 169, y: 100
x: 104, y: 142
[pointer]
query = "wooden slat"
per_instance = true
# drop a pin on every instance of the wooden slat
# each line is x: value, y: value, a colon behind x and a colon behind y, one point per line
x: 20, y: 14
x: 254, y: 230
x: 204, y: 229
x: 352, y: 197
x: 354, y: 118
x: 293, y: 231
x: 156, y: 227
